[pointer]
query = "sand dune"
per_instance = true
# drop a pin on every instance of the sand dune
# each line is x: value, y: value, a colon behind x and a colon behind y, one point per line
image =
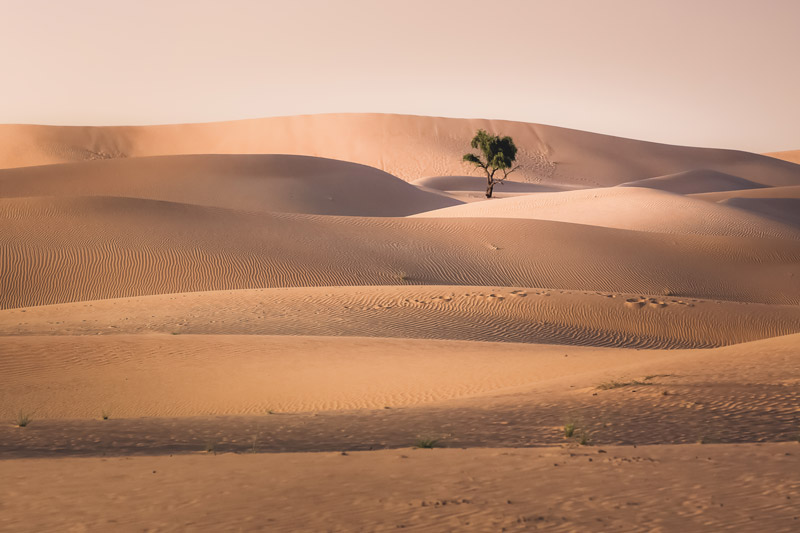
x: 261, y: 183
x: 410, y: 147
x: 235, y: 352
x: 208, y: 296
x: 626, y: 208
x: 62, y: 250
x: 793, y: 156
x: 781, y: 204
x: 435, y: 312
x: 697, y: 181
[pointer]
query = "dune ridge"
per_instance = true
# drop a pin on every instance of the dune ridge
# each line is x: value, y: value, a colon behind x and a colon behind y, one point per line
x: 409, y: 147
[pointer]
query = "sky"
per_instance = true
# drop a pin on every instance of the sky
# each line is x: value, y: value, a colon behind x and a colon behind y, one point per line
x: 718, y: 73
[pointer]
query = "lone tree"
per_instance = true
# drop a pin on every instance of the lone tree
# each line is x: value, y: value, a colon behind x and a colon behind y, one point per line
x: 499, y: 153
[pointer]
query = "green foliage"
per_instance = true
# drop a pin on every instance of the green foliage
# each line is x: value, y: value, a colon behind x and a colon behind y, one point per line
x: 23, y: 419
x: 427, y: 442
x: 496, y: 154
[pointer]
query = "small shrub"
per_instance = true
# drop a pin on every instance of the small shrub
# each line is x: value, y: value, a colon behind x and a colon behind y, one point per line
x: 105, y: 414
x: 255, y: 441
x: 427, y: 442
x: 23, y: 419
x: 569, y: 429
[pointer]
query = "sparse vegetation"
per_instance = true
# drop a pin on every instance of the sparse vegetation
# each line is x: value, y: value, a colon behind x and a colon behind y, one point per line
x: 23, y: 419
x: 499, y: 154
x: 255, y: 441
x: 614, y: 384
x: 105, y: 414
x: 573, y: 430
x: 427, y: 442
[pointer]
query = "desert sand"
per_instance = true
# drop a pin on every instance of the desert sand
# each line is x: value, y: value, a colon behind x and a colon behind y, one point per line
x: 255, y: 325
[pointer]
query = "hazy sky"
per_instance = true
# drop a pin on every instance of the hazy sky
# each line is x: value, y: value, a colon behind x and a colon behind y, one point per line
x: 699, y: 72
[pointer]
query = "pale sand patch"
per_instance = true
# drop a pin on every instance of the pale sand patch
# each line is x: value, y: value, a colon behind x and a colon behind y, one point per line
x: 744, y: 487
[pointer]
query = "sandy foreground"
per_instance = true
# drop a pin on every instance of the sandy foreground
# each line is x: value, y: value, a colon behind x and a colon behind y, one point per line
x: 198, y: 320
x: 739, y: 487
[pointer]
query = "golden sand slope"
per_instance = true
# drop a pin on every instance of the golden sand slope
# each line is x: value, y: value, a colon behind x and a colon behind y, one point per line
x: 745, y: 487
x: 259, y: 183
x: 60, y: 250
x: 409, y: 147
x: 626, y: 208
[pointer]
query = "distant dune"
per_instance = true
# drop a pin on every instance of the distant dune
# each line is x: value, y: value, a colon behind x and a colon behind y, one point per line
x: 409, y: 147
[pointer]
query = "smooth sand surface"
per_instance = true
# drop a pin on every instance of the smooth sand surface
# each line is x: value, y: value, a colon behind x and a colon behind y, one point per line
x: 631, y: 208
x: 314, y: 284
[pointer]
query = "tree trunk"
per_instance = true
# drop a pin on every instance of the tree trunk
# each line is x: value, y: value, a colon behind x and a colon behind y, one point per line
x: 489, y: 189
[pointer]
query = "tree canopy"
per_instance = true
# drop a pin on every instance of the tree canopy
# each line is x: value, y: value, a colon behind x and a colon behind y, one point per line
x: 496, y: 154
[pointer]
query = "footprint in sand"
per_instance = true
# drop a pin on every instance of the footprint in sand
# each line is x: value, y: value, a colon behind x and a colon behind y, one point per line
x: 637, y: 302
